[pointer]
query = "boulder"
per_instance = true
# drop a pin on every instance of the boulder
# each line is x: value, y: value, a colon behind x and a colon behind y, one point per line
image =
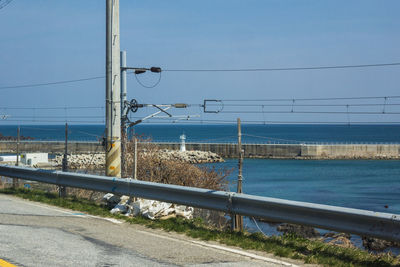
x: 372, y: 243
x: 300, y: 230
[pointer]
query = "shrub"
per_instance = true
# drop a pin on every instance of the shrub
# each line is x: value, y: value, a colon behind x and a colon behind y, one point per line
x: 151, y: 167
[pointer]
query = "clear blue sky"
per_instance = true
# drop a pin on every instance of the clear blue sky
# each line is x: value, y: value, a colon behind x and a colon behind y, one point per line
x: 46, y: 41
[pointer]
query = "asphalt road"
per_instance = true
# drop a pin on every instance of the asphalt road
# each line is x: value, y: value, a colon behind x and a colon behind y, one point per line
x: 34, y: 234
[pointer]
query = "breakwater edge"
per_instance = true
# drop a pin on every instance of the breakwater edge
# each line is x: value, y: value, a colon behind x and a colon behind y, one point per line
x: 229, y: 150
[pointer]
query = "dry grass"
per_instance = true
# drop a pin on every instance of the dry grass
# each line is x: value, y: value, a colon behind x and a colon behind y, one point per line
x: 150, y: 167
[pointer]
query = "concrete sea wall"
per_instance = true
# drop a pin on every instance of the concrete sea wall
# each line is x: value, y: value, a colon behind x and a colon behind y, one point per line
x: 285, y: 151
x: 50, y: 146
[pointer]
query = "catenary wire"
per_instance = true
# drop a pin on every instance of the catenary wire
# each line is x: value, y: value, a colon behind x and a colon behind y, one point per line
x: 55, y: 121
x: 287, y: 68
x: 309, y: 99
x: 40, y: 129
x: 272, y: 138
x: 50, y: 108
x: 305, y: 105
x: 55, y: 117
x: 228, y: 122
x: 5, y: 3
x: 164, y: 121
x: 216, y: 70
x: 89, y: 134
x: 311, y: 112
x: 52, y: 83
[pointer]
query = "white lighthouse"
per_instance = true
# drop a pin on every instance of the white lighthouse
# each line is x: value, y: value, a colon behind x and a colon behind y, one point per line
x: 183, y: 138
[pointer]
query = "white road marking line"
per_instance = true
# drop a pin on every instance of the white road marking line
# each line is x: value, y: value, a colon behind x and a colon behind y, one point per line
x: 244, y: 253
x: 226, y: 249
x: 106, y: 219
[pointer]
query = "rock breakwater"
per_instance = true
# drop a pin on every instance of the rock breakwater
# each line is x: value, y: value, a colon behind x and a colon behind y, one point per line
x: 82, y: 161
x: 193, y: 157
x: 97, y: 160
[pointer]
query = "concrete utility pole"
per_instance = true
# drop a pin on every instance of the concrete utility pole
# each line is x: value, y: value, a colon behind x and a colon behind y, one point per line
x: 113, y: 83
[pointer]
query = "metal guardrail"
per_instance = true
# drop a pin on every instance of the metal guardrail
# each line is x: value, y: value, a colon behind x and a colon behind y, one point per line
x: 362, y: 222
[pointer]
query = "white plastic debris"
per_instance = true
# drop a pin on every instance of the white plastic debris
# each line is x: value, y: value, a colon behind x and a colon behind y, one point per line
x: 110, y: 200
x: 151, y: 209
x: 184, y: 211
x: 119, y: 209
x: 122, y: 206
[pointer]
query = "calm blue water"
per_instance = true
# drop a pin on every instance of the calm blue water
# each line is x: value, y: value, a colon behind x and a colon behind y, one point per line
x: 225, y: 133
x: 362, y: 184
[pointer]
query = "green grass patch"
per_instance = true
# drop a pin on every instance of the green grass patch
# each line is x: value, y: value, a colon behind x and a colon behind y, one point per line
x: 288, y: 246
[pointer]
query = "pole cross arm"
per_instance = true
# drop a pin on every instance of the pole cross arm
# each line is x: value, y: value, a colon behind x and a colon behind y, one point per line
x: 133, y: 106
x: 139, y: 70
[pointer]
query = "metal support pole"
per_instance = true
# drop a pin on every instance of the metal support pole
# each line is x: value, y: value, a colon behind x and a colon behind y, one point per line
x: 135, y: 167
x: 113, y: 84
x: 123, y: 82
x: 18, y: 139
x: 15, y: 180
x: 239, y: 218
x: 62, y: 191
x: 123, y: 113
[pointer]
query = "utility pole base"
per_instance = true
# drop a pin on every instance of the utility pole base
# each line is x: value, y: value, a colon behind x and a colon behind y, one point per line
x: 113, y: 159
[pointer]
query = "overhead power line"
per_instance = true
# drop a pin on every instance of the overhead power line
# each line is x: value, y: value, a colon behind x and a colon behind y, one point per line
x: 55, y: 117
x: 208, y: 121
x: 49, y: 108
x: 310, y: 99
x: 315, y: 105
x: 159, y: 70
x: 52, y: 83
x: 287, y: 68
x: 58, y: 121
x: 310, y: 112
x: 305, y: 105
x: 4, y: 3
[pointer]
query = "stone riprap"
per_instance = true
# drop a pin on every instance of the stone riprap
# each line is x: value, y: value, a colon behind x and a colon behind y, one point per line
x: 82, y: 161
x: 193, y: 157
x: 97, y: 161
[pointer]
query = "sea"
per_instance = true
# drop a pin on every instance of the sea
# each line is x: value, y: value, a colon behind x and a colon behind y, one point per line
x: 363, y: 184
x: 226, y: 133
